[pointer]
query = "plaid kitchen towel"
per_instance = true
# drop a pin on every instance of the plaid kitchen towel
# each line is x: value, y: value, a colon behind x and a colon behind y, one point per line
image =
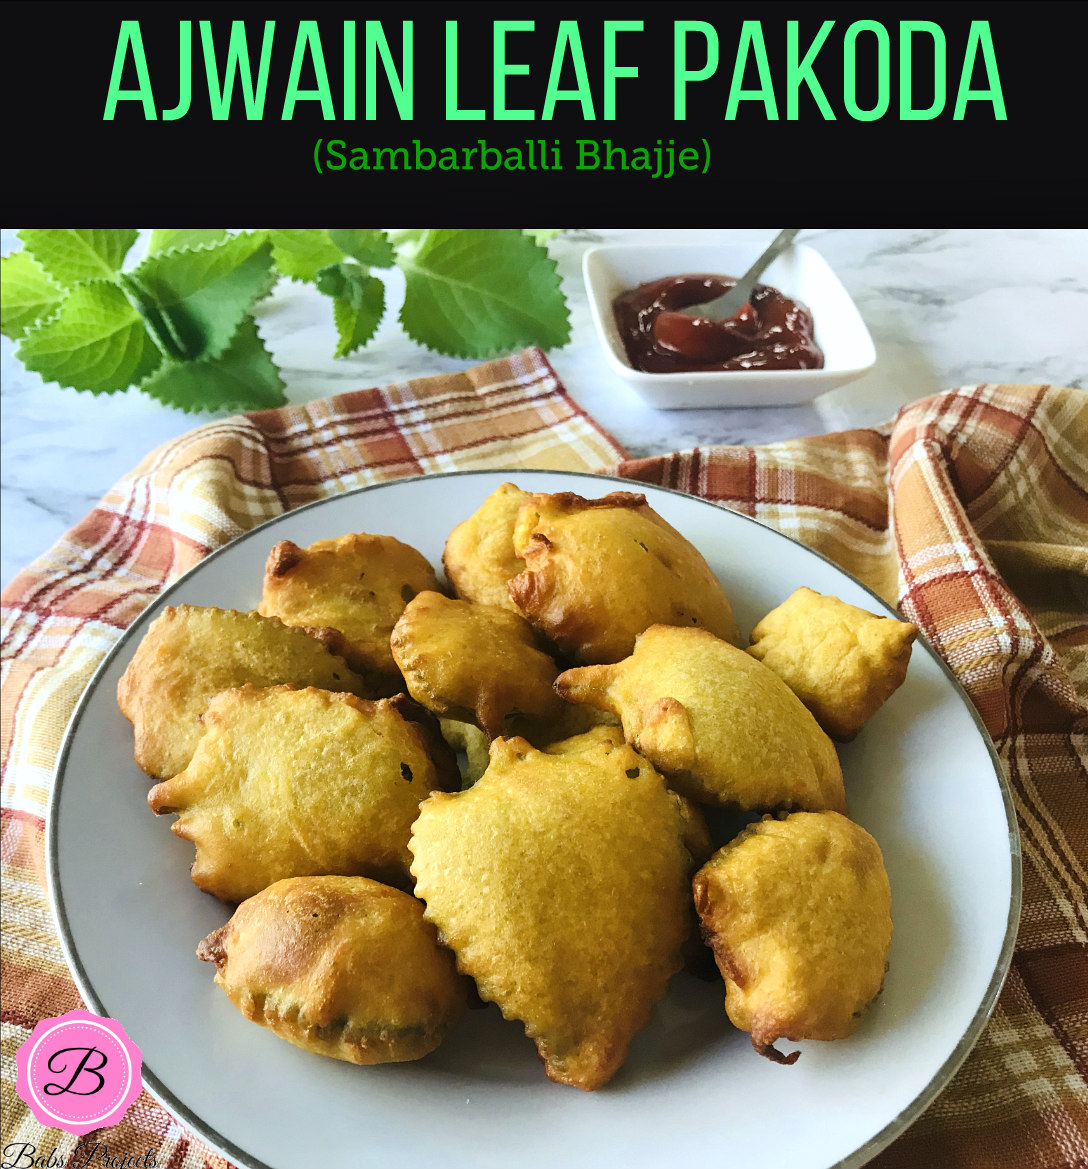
x: 970, y: 512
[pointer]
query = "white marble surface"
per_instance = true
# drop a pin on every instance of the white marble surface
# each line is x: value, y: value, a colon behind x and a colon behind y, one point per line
x: 945, y: 308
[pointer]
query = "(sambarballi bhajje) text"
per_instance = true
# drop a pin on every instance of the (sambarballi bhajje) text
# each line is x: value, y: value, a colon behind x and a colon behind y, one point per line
x: 663, y: 158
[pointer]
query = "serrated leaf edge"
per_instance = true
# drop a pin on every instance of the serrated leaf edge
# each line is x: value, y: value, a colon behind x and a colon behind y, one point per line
x: 40, y: 324
x: 210, y: 246
x: 273, y: 272
x: 482, y: 354
x: 221, y: 409
x: 75, y: 283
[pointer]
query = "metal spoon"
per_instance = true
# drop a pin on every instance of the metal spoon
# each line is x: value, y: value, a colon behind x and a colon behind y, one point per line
x: 721, y: 308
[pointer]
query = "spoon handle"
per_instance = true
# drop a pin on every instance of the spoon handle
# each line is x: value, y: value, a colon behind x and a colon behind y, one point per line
x: 721, y: 308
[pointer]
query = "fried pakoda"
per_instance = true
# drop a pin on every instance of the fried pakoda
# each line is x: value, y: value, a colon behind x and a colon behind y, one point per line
x: 358, y: 584
x: 560, y: 882
x: 190, y: 653
x: 841, y: 661
x: 798, y: 913
x: 722, y: 727
x: 292, y: 783
x: 341, y: 966
x: 694, y: 831
x: 600, y: 571
x: 479, y: 556
x: 475, y: 662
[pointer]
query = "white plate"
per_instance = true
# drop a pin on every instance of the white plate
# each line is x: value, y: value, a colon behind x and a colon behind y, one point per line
x: 921, y: 777
x: 800, y: 272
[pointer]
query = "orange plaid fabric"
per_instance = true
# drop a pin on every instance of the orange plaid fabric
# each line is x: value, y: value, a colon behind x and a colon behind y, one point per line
x: 970, y: 512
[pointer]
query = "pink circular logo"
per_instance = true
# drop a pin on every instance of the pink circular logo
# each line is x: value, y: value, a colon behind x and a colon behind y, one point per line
x: 78, y: 1072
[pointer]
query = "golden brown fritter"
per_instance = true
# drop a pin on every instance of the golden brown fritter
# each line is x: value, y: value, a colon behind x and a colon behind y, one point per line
x: 693, y: 826
x: 358, y: 584
x: 798, y: 913
x: 341, y: 966
x: 190, y: 653
x: 722, y: 727
x: 475, y: 662
x: 292, y: 783
x: 841, y: 661
x: 479, y: 556
x: 600, y: 571
x: 560, y: 882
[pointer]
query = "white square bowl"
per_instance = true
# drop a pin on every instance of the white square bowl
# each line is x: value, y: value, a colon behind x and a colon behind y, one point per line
x: 801, y: 273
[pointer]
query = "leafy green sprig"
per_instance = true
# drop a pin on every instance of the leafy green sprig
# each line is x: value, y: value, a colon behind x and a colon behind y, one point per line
x: 179, y: 325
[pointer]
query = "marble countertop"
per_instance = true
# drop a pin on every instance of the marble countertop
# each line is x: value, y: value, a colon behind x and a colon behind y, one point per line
x: 945, y: 308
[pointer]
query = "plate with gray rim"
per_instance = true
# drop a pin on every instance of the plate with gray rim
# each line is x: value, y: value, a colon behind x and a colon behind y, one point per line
x: 922, y: 777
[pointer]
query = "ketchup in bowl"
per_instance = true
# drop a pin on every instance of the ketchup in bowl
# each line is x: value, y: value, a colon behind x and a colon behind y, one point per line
x: 770, y: 332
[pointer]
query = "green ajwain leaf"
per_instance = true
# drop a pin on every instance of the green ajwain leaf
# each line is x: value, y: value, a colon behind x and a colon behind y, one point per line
x: 356, y: 326
x: 71, y: 255
x: 541, y: 235
x: 476, y: 294
x: 165, y: 238
x: 207, y: 291
x: 302, y: 252
x: 242, y: 377
x: 358, y: 303
x: 156, y: 322
x: 27, y: 294
x: 345, y: 280
x: 368, y: 245
x: 96, y: 342
x: 404, y: 236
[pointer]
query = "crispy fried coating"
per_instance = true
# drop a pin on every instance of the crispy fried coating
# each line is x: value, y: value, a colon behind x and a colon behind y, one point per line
x: 693, y: 826
x: 560, y: 882
x: 340, y: 966
x: 190, y: 653
x: 600, y: 571
x: 722, y: 727
x: 475, y: 662
x: 798, y: 913
x: 358, y: 584
x: 479, y: 556
x: 292, y: 783
x: 841, y: 661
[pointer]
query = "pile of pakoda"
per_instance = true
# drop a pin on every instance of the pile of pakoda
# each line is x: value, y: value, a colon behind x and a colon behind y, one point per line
x: 408, y: 793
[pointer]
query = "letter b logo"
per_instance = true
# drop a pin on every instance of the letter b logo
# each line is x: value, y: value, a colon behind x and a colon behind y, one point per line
x: 78, y: 1072
x: 59, y: 1062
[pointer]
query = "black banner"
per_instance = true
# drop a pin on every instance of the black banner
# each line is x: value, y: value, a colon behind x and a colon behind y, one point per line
x: 488, y: 114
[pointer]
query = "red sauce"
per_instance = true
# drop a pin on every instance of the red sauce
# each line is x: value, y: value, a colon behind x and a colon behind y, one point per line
x: 770, y: 332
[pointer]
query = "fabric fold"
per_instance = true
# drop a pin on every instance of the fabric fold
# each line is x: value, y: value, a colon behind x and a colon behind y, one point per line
x: 969, y: 512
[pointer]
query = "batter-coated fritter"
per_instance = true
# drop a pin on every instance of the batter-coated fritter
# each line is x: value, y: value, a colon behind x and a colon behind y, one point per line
x: 341, y: 966
x: 600, y: 571
x: 292, y: 783
x: 722, y: 727
x: 560, y: 882
x: 470, y: 661
x: 358, y: 584
x: 479, y: 557
x: 841, y: 661
x: 190, y: 653
x: 798, y: 913
x: 693, y: 826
